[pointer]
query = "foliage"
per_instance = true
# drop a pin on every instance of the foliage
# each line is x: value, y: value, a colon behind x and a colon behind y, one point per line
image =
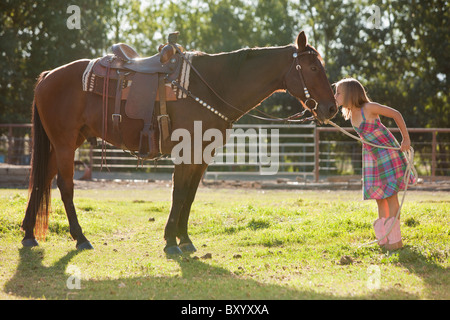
x: 34, y: 38
x: 398, y: 49
x: 403, y: 61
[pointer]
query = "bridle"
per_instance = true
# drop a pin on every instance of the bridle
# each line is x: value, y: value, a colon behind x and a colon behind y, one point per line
x: 298, y: 67
x: 292, y: 118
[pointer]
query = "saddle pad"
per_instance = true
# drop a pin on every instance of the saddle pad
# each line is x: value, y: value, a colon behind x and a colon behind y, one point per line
x: 183, y: 79
x: 95, y: 84
x: 87, y: 81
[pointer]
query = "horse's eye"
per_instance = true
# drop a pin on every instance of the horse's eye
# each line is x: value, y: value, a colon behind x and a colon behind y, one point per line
x: 313, y: 68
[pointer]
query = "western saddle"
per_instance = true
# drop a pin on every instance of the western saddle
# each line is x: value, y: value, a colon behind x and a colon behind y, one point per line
x: 135, y: 84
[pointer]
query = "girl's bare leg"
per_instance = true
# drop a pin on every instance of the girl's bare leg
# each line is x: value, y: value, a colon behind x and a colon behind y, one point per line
x: 383, y: 208
x: 393, y: 205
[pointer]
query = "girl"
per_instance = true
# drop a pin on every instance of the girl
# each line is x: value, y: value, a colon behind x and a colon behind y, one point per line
x: 383, y: 169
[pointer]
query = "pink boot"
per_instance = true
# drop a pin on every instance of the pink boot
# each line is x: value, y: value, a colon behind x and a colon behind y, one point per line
x: 395, y: 237
x: 380, y: 231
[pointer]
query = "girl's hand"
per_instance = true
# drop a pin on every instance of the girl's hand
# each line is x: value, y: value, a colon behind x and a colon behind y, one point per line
x: 406, y: 144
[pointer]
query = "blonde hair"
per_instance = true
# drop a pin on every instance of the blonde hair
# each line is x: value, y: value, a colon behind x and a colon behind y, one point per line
x: 355, y: 95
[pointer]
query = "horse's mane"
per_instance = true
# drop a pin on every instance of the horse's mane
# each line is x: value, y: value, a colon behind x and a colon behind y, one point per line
x: 241, y: 54
x: 238, y: 52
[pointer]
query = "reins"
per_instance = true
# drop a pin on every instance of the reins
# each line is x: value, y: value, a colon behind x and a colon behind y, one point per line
x: 409, y: 168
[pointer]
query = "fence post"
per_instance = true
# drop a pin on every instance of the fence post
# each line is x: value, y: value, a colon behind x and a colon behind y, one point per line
x: 10, y: 145
x: 316, y: 154
x: 433, y: 157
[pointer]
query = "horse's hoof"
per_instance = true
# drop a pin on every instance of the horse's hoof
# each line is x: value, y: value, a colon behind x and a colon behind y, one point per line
x: 187, y: 247
x: 30, y: 243
x: 85, y: 246
x: 173, y: 251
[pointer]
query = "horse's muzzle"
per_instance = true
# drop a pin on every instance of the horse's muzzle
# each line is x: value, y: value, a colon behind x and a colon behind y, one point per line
x: 325, y: 112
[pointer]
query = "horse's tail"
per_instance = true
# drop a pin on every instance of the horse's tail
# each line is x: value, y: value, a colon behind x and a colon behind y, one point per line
x: 39, y: 189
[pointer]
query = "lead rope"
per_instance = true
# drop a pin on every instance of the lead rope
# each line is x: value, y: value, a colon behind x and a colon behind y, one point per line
x: 409, y: 168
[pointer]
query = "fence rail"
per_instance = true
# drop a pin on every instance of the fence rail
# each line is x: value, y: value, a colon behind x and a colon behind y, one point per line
x: 303, y: 151
x: 430, y: 156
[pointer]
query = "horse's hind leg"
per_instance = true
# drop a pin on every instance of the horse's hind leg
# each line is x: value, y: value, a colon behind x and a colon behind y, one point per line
x: 65, y: 160
x: 29, y: 222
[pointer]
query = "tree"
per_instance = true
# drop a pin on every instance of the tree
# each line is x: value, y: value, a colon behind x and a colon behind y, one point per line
x: 35, y: 37
x: 403, y: 60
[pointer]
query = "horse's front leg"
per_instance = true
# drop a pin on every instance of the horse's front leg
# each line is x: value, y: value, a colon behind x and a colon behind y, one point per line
x: 185, y: 182
x: 170, y: 233
x: 185, y: 243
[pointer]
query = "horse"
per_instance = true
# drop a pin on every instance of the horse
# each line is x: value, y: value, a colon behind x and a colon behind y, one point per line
x: 234, y: 83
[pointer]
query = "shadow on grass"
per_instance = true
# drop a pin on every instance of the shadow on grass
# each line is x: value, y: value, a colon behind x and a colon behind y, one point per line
x: 436, y: 278
x: 198, y: 281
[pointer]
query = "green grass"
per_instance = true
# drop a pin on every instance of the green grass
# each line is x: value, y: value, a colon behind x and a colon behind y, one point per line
x: 263, y: 245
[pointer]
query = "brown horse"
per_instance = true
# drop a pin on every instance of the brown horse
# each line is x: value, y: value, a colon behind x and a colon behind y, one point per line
x: 233, y: 83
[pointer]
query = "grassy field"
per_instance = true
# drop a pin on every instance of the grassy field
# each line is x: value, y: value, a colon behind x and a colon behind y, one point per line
x: 252, y: 244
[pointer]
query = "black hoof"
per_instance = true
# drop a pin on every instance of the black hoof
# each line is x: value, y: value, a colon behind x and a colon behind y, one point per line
x: 85, y: 246
x: 173, y: 251
x: 187, y: 247
x: 30, y: 242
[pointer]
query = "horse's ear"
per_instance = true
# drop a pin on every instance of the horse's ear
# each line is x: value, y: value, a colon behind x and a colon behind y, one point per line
x: 302, y: 40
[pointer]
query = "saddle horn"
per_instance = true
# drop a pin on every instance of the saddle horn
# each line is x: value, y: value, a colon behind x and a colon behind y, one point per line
x: 173, y: 37
x: 168, y: 50
x: 166, y: 53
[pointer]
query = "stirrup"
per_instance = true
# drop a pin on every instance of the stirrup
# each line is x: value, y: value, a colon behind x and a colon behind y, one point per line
x: 145, y: 138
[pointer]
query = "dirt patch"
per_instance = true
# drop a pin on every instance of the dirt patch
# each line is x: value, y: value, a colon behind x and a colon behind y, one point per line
x: 17, y: 177
x: 440, y: 185
x: 158, y: 184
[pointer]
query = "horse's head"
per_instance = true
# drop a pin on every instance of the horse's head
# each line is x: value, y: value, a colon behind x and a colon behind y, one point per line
x: 307, y: 81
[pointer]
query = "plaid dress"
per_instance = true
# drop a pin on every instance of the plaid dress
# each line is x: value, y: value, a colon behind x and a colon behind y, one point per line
x: 383, y: 169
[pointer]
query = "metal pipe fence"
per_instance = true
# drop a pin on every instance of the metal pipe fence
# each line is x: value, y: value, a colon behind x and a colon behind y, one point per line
x: 299, y: 151
x: 431, y: 145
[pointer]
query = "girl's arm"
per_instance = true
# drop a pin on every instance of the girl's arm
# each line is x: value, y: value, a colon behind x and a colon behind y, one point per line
x: 374, y: 109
